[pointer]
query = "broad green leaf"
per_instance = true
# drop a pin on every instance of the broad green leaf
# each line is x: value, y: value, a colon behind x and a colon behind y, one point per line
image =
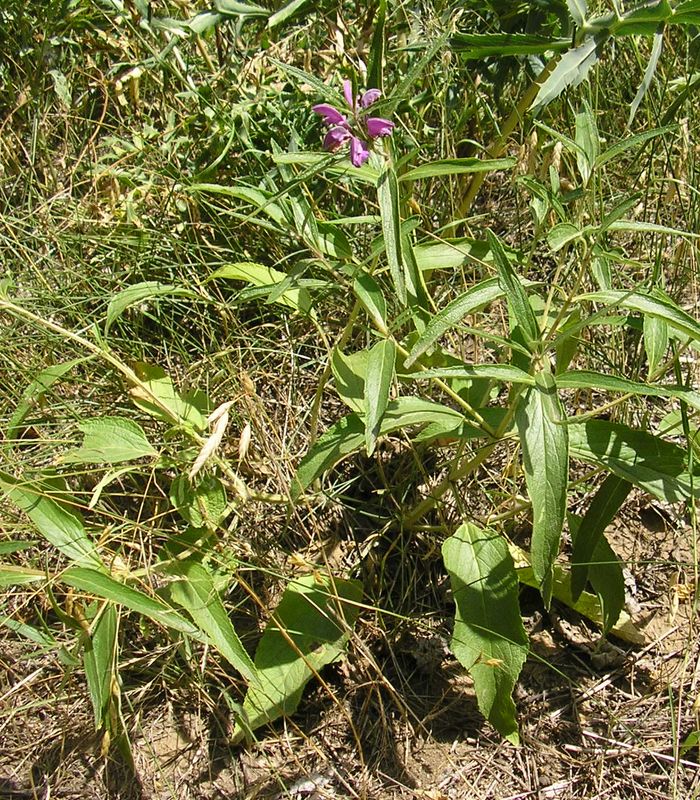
x: 588, y: 604
x: 288, y: 11
x: 350, y: 373
x: 489, y: 638
x: 605, y: 576
x: 601, y: 511
x: 10, y: 575
x: 482, y: 45
x: 544, y: 442
x: 562, y: 234
x: 16, y: 546
x: 140, y: 293
x: 101, y: 585
x: 370, y: 295
x: 348, y: 436
x: 478, y: 296
x: 588, y: 140
x: 171, y: 406
x: 35, y: 391
x: 381, y: 363
x: 260, y: 275
x: 388, y: 196
x: 655, y: 341
x: 648, y: 72
x: 457, y: 166
x: 647, y: 461
x: 569, y: 72
x: 59, y: 525
x: 332, y: 242
x: 202, y: 505
x: 451, y: 254
x: 513, y: 290
x: 646, y: 304
x: 585, y: 379
x: 309, y: 629
x: 110, y: 440
x: 630, y: 142
x: 99, y: 654
x: 195, y: 592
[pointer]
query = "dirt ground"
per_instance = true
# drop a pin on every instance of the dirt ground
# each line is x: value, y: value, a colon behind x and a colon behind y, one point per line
x: 598, y: 719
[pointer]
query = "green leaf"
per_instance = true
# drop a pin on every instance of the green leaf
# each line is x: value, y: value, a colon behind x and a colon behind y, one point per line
x: 478, y: 296
x: 198, y: 596
x: 348, y: 435
x: 648, y: 73
x: 388, y: 196
x: 11, y: 575
x: 647, y: 461
x: 569, y: 72
x: 605, y: 576
x: 309, y: 629
x: 578, y: 10
x: 475, y: 46
x: 588, y: 140
x: 639, y: 226
x: 588, y: 604
x: 489, y: 638
x: 451, y: 254
x: 602, y: 510
x: 110, y: 440
x: 655, y: 341
x: 545, y: 447
x: 99, y: 656
x: 497, y: 372
x: 260, y: 275
x: 457, y: 166
x: 140, y: 293
x: 375, y: 71
x: 238, y: 8
x: 350, y: 373
x: 562, y: 234
x: 288, y: 11
x: 370, y: 295
x: 159, y: 398
x: 202, y: 505
x: 585, y: 379
x: 646, y: 304
x: 35, y: 391
x: 513, y: 290
x: 60, y: 526
x: 106, y: 587
x: 630, y: 142
x: 381, y: 362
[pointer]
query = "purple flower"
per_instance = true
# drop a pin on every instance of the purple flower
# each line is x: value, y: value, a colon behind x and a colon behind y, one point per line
x: 342, y: 129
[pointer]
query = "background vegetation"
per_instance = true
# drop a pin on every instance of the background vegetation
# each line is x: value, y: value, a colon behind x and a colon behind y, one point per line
x: 328, y: 481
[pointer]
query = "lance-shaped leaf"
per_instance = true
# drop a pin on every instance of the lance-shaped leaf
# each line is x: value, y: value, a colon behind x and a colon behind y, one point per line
x: 380, y: 373
x: 309, y: 629
x: 99, y: 660
x: 544, y: 441
x: 196, y: 593
x: 605, y: 576
x: 483, y: 45
x: 653, y: 464
x: 348, y: 435
x: 662, y: 308
x: 457, y: 166
x: 489, y: 638
x: 514, y: 292
x: 601, y: 512
x: 388, y: 196
x: 570, y: 71
x: 369, y: 293
x: 58, y: 524
x: 140, y: 293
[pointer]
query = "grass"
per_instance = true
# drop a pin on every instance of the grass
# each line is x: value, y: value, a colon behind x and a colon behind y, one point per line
x: 129, y: 153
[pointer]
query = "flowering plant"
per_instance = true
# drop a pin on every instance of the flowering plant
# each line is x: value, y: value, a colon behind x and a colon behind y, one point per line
x: 341, y: 129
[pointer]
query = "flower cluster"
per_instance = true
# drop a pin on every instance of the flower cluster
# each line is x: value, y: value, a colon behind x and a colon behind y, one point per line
x: 340, y: 129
